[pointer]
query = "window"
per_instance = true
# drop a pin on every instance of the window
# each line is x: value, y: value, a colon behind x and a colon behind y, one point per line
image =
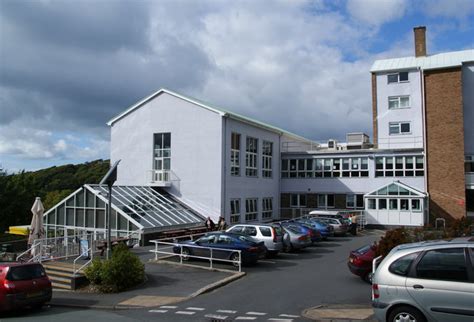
x: 267, y: 208
x: 400, y: 166
x: 251, y: 157
x: 355, y: 201
x: 382, y: 204
x: 250, y: 231
x: 395, y: 128
x: 372, y: 204
x: 266, y: 231
x: 234, y: 211
x: 393, y: 204
x: 397, y: 77
x: 235, y: 155
x: 325, y: 201
x: 298, y: 200
x: 402, y: 265
x: 404, y: 204
x: 469, y: 163
x: 251, y: 209
x: 325, y: 168
x: 443, y: 264
x: 415, y: 205
x: 267, y: 153
x: 396, y: 102
x: 162, y: 156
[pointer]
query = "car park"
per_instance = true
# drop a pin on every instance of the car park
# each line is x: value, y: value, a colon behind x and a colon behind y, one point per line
x: 22, y: 285
x: 426, y: 281
x: 224, y: 246
x: 271, y: 235
x: 360, y: 261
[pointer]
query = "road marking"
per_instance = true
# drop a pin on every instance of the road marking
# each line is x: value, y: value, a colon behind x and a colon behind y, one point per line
x: 246, y: 318
x: 255, y: 313
x: 168, y: 307
x: 281, y: 320
x: 158, y: 311
x: 266, y: 261
x: 289, y: 316
x: 215, y: 316
x: 195, y: 308
x: 226, y: 311
x: 289, y: 254
x: 185, y: 312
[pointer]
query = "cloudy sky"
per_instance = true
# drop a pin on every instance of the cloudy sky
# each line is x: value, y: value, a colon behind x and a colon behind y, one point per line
x: 67, y: 67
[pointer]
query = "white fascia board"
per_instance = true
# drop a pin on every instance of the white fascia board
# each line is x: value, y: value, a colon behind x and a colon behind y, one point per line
x: 160, y: 91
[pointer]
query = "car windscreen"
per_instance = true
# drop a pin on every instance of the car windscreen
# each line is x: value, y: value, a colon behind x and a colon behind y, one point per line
x: 26, y: 272
x: 363, y: 249
x: 293, y: 229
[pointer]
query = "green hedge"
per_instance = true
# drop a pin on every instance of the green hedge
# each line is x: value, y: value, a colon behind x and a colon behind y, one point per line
x: 122, y: 271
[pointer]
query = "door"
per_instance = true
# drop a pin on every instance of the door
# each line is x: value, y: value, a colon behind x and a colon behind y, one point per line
x: 441, y: 283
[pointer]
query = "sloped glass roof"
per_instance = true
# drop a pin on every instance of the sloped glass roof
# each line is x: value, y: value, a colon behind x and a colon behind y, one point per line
x: 148, y: 207
x: 396, y: 189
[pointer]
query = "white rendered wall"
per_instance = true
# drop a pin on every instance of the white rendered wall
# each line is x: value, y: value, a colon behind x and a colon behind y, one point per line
x: 468, y: 103
x: 243, y: 187
x: 412, y: 114
x: 196, y: 149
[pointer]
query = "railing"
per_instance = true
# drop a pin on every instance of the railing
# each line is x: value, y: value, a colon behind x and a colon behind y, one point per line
x: 295, y: 146
x: 161, y: 177
x: 406, y: 141
x: 87, y: 252
x: 236, y: 260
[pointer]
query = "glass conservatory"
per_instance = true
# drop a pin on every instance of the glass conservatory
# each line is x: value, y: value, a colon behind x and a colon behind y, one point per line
x: 135, y: 210
x: 396, y: 204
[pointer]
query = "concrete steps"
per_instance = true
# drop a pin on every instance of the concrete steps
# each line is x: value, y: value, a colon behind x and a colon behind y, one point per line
x: 61, y: 275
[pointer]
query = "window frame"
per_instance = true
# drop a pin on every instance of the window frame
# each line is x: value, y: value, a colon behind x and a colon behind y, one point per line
x: 267, y: 208
x: 399, y: 125
x: 251, y: 214
x: 299, y: 203
x: 398, y: 78
x: 267, y: 159
x: 235, y: 154
x: 235, y: 215
x: 398, y: 99
x: 382, y: 170
x: 251, y: 157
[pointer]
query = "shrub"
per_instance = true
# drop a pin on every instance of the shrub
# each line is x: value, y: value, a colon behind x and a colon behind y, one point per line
x: 392, y: 239
x: 460, y: 227
x: 122, y: 271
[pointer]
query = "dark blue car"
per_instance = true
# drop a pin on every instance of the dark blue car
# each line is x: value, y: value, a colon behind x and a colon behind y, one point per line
x: 222, y: 244
x: 325, y: 230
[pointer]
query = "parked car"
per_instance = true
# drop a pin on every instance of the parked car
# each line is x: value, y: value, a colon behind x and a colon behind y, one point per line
x: 223, y: 244
x: 294, y: 239
x: 339, y: 225
x: 23, y: 284
x: 330, y: 214
x: 271, y: 235
x: 360, y: 261
x: 427, y: 281
x: 314, y: 234
x: 324, y: 229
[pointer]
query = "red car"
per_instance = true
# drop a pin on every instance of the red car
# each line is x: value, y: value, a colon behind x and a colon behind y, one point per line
x: 23, y: 284
x: 360, y: 261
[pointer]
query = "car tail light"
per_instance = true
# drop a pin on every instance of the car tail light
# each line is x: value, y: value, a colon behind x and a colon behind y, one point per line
x: 253, y: 249
x: 375, y: 291
x: 357, y: 261
x: 8, y: 286
x: 274, y: 235
x: 303, y: 237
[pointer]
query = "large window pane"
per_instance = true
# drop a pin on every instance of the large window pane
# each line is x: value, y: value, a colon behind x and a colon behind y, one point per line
x: 443, y: 264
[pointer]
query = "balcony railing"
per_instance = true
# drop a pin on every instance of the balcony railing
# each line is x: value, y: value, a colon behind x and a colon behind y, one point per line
x: 299, y: 146
x: 160, y: 178
x: 400, y: 142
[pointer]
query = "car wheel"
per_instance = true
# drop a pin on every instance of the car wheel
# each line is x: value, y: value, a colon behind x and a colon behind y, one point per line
x: 406, y: 314
x: 185, y: 254
x: 235, y: 259
x: 37, y: 306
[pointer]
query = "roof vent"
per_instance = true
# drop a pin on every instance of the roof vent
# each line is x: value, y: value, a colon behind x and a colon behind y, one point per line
x: 357, y: 141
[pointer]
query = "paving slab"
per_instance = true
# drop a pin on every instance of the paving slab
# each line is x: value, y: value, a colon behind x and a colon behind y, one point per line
x: 340, y: 313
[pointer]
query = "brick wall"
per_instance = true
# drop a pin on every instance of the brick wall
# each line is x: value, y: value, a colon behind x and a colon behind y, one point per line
x: 445, y: 143
x: 374, y: 109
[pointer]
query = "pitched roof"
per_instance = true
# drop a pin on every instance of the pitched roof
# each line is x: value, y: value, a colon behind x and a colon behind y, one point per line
x: 210, y: 107
x: 443, y: 60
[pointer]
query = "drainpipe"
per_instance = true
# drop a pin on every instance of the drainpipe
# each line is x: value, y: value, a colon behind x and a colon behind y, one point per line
x: 425, y: 161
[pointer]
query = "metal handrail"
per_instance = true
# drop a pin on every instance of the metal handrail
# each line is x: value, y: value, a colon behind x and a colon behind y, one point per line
x: 35, y: 243
x: 90, y: 249
x: 210, y: 258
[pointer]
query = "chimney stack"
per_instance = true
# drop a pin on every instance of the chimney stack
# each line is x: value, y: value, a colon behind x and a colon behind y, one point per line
x: 420, y: 41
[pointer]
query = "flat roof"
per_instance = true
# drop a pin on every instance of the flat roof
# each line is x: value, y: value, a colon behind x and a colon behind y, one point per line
x: 437, y: 61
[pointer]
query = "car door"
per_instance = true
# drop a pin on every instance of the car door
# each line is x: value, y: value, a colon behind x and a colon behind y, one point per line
x: 204, y: 243
x: 441, y: 284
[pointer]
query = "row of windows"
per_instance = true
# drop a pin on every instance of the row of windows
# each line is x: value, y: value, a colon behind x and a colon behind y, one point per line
x: 413, y: 205
x: 325, y: 168
x: 251, y: 209
x: 401, y: 166
x: 327, y: 201
x: 251, y: 156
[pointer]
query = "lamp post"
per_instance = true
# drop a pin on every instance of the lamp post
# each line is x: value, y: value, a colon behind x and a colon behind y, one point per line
x: 109, y: 179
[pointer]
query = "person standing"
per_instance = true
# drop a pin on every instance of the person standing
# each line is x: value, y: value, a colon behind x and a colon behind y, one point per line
x: 221, y: 225
x: 210, y: 224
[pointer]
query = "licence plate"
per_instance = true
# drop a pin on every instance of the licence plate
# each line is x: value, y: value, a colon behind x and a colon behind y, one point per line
x: 34, y: 294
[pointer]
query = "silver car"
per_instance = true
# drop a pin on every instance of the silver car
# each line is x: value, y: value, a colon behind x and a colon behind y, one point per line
x: 271, y: 235
x: 339, y: 225
x: 294, y: 239
x: 428, y: 281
